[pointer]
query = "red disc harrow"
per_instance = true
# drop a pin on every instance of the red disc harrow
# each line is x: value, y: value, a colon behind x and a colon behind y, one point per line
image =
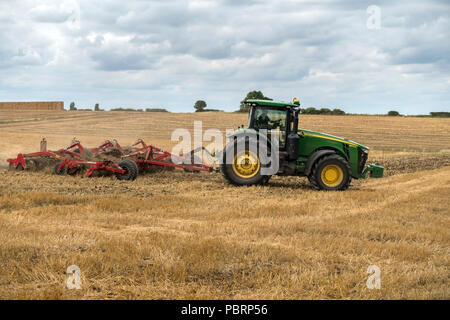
x: 125, y: 163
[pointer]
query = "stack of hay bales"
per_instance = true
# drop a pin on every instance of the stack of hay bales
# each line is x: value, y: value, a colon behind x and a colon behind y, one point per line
x: 40, y: 105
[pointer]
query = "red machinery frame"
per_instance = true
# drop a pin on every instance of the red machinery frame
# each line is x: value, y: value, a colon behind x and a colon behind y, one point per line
x: 62, y: 153
x: 59, y: 154
x: 143, y: 156
x: 155, y: 156
x: 94, y: 165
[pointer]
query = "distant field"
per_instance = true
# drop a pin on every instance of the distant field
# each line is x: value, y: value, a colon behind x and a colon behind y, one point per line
x: 378, y: 132
x: 190, y: 236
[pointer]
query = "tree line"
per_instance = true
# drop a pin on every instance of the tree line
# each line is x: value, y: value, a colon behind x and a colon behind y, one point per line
x: 97, y: 108
x: 201, y: 106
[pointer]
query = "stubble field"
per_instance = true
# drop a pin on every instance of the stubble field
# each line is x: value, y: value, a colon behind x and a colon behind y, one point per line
x: 191, y: 236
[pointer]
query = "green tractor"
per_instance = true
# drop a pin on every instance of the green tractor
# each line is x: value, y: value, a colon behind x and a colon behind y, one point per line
x: 329, y: 162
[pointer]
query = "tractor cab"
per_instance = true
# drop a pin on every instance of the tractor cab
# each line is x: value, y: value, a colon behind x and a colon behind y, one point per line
x: 283, y: 117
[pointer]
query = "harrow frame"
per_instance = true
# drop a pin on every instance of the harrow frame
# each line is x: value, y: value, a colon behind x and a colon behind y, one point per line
x: 143, y: 155
x: 155, y: 156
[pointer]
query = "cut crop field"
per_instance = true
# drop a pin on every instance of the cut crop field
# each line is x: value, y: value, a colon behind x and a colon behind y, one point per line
x: 177, y: 235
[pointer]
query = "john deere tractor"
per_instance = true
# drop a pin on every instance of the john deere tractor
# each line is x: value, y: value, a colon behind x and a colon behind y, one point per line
x: 329, y: 162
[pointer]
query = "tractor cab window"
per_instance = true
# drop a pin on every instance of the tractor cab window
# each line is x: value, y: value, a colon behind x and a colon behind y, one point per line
x: 265, y: 118
x: 271, y: 119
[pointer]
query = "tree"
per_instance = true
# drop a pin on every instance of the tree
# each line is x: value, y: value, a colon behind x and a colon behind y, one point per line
x: 324, y: 111
x: 393, y: 113
x: 155, y: 110
x: 251, y: 95
x: 441, y: 114
x: 200, y: 106
x: 338, y: 111
x: 72, y: 106
x: 97, y: 107
x: 310, y: 110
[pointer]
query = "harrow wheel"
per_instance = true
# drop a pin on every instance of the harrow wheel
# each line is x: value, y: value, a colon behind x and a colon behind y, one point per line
x: 131, y: 169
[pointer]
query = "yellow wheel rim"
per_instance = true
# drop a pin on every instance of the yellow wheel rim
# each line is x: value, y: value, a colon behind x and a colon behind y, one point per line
x: 246, y: 164
x: 332, y: 175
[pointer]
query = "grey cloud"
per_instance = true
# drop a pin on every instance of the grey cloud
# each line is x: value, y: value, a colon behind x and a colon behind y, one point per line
x: 116, y: 61
x: 50, y: 14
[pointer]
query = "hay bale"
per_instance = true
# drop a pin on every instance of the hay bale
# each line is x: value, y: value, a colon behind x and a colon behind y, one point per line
x: 35, y: 105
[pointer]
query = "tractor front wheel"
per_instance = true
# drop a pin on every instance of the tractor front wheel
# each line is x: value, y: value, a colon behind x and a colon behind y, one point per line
x: 331, y: 172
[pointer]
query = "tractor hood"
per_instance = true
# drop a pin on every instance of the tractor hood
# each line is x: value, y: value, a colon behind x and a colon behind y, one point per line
x: 326, y: 136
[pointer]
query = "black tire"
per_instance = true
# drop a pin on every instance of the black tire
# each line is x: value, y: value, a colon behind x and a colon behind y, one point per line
x: 232, y: 177
x: 131, y: 168
x: 266, y: 180
x: 315, y: 178
x: 61, y: 172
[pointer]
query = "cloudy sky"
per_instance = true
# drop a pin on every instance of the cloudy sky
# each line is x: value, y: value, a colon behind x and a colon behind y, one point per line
x: 170, y: 53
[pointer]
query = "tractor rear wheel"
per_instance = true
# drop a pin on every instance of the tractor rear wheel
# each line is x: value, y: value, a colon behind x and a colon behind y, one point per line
x: 245, y: 168
x: 331, y: 172
x: 131, y: 169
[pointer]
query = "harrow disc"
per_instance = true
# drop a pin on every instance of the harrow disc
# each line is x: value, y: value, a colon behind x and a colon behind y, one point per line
x: 40, y: 163
x: 18, y: 168
x: 31, y: 164
x: 61, y: 171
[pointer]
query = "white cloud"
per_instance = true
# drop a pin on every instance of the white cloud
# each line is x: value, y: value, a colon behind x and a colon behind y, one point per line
x: 66, y: 11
